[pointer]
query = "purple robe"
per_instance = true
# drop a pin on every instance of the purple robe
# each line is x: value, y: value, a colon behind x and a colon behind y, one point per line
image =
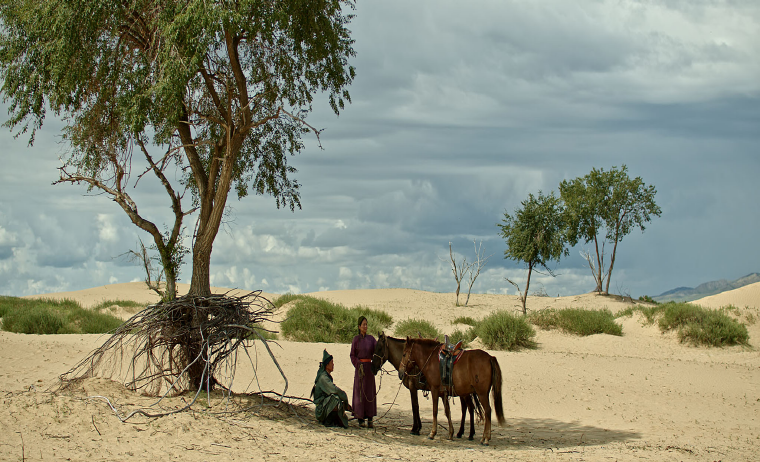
x: 364, y: 402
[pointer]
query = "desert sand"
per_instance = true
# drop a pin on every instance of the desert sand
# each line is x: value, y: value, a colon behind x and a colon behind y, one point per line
x: 642, y: 396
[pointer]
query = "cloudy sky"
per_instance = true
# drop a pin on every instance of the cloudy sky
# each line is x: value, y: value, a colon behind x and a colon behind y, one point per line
x: 459, y: 112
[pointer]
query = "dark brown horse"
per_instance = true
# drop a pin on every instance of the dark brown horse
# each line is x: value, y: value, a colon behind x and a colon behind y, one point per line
x: 391, y: 349
x: 475, y: 372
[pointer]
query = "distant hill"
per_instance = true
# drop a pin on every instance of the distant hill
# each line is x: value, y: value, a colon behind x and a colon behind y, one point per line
x: 687, y: 294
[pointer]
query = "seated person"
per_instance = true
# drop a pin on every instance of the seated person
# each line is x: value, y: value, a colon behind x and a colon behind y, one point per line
x: 331, y: 402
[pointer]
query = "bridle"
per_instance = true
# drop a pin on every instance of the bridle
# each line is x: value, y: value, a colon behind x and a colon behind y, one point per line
x: 409, y: 361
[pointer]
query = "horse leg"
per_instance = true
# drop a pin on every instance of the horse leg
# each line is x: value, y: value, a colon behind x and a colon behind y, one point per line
x: 471, y: 408
x: 447, y: 410
x: 434, y: 393
x: 487, y: 413
x: 463, y: 402
x: 417, y: 424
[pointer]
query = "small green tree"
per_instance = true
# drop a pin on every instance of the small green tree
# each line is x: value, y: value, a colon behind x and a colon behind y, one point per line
x: 608, y: 202
x: 534, y: 235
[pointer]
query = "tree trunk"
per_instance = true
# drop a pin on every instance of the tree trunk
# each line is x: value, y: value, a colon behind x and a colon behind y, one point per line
x: 527, y: 285
x: 598, y: 275
x: 612, y: 263
x: 200, y: 284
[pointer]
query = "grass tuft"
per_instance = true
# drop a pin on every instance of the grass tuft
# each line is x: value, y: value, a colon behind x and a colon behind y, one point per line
x: 47, y: 316
x: 696, y: 325
x: 577, y: 321
x: 504, y: 331
x: 416, y: 327
x: 312, y: 319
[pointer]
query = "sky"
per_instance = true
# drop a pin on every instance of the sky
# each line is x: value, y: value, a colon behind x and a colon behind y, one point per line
x: 459, y: 111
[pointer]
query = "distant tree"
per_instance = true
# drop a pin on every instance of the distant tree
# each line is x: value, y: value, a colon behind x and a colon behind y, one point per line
x: 608, y: 204
x: 534, y: 236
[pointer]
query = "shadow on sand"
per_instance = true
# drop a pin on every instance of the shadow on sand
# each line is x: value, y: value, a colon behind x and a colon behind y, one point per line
x: 519, y: 433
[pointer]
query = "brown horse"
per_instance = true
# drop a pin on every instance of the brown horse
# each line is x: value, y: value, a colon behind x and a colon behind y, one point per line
x: 475, y: 372
x: 391, y: 349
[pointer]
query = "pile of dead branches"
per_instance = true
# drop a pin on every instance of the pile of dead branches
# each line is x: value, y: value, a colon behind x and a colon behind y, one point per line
x: 191, y: 343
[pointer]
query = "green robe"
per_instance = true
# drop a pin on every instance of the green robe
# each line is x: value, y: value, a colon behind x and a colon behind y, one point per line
x: 327, y: 396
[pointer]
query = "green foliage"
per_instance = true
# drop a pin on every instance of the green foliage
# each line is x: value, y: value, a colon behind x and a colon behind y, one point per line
x: 312, y: 319
x: 504, y: 331
x: 465, y: 320
x: 416, y: 327
x: 648, y: 299
x: 577, y: 321
x: 609, y: 202
x: 534, y: 235
x: 694, y: 324
x: 44, y: 316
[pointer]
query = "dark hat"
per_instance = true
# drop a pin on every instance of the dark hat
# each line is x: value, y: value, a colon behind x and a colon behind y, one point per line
x: 326, y: 358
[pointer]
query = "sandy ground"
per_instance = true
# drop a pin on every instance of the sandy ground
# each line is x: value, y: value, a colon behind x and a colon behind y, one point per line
x: 642, y: 396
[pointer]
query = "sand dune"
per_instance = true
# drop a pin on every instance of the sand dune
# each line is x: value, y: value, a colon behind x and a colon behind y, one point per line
x: 747, y: 296
x: 642, y: 396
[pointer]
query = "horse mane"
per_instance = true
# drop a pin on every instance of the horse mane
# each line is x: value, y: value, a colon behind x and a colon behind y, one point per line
x: 428, y: 342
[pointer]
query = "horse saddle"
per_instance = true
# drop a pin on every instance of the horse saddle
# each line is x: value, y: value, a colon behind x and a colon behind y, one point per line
x: 448, y: 355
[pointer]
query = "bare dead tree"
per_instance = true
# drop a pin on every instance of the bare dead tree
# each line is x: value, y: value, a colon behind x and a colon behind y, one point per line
x: 153, y: 276
x: 459, y: 270
x: 597, y: 269
x: 475, y: 268
x: 148, y: 352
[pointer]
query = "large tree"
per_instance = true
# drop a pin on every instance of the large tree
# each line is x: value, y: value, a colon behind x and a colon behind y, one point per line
x: 608, y: 204
x: 222, y: 88
x: 534, y: 235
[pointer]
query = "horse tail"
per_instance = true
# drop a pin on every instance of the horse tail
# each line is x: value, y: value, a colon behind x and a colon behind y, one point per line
x: 496, y: 384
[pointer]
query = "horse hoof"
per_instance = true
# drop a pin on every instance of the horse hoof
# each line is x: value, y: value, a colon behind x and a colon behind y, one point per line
x: 431, y: 437
x: 459, y: 435
x: 470, y: 438
x: 484, y: 444
x: 415, y: 432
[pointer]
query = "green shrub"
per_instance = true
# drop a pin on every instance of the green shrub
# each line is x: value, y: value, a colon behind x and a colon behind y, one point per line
x: 465, y: 336
x: 577, y: 321
x: 35, y: 319
x: 415, y: 328
x: 648, y: 299
x: 714, y: 329
x: 697, y: 325
x: 312, y: 319
x: 465, y: 320
x: 504, y: 331
x: 46, y: 316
